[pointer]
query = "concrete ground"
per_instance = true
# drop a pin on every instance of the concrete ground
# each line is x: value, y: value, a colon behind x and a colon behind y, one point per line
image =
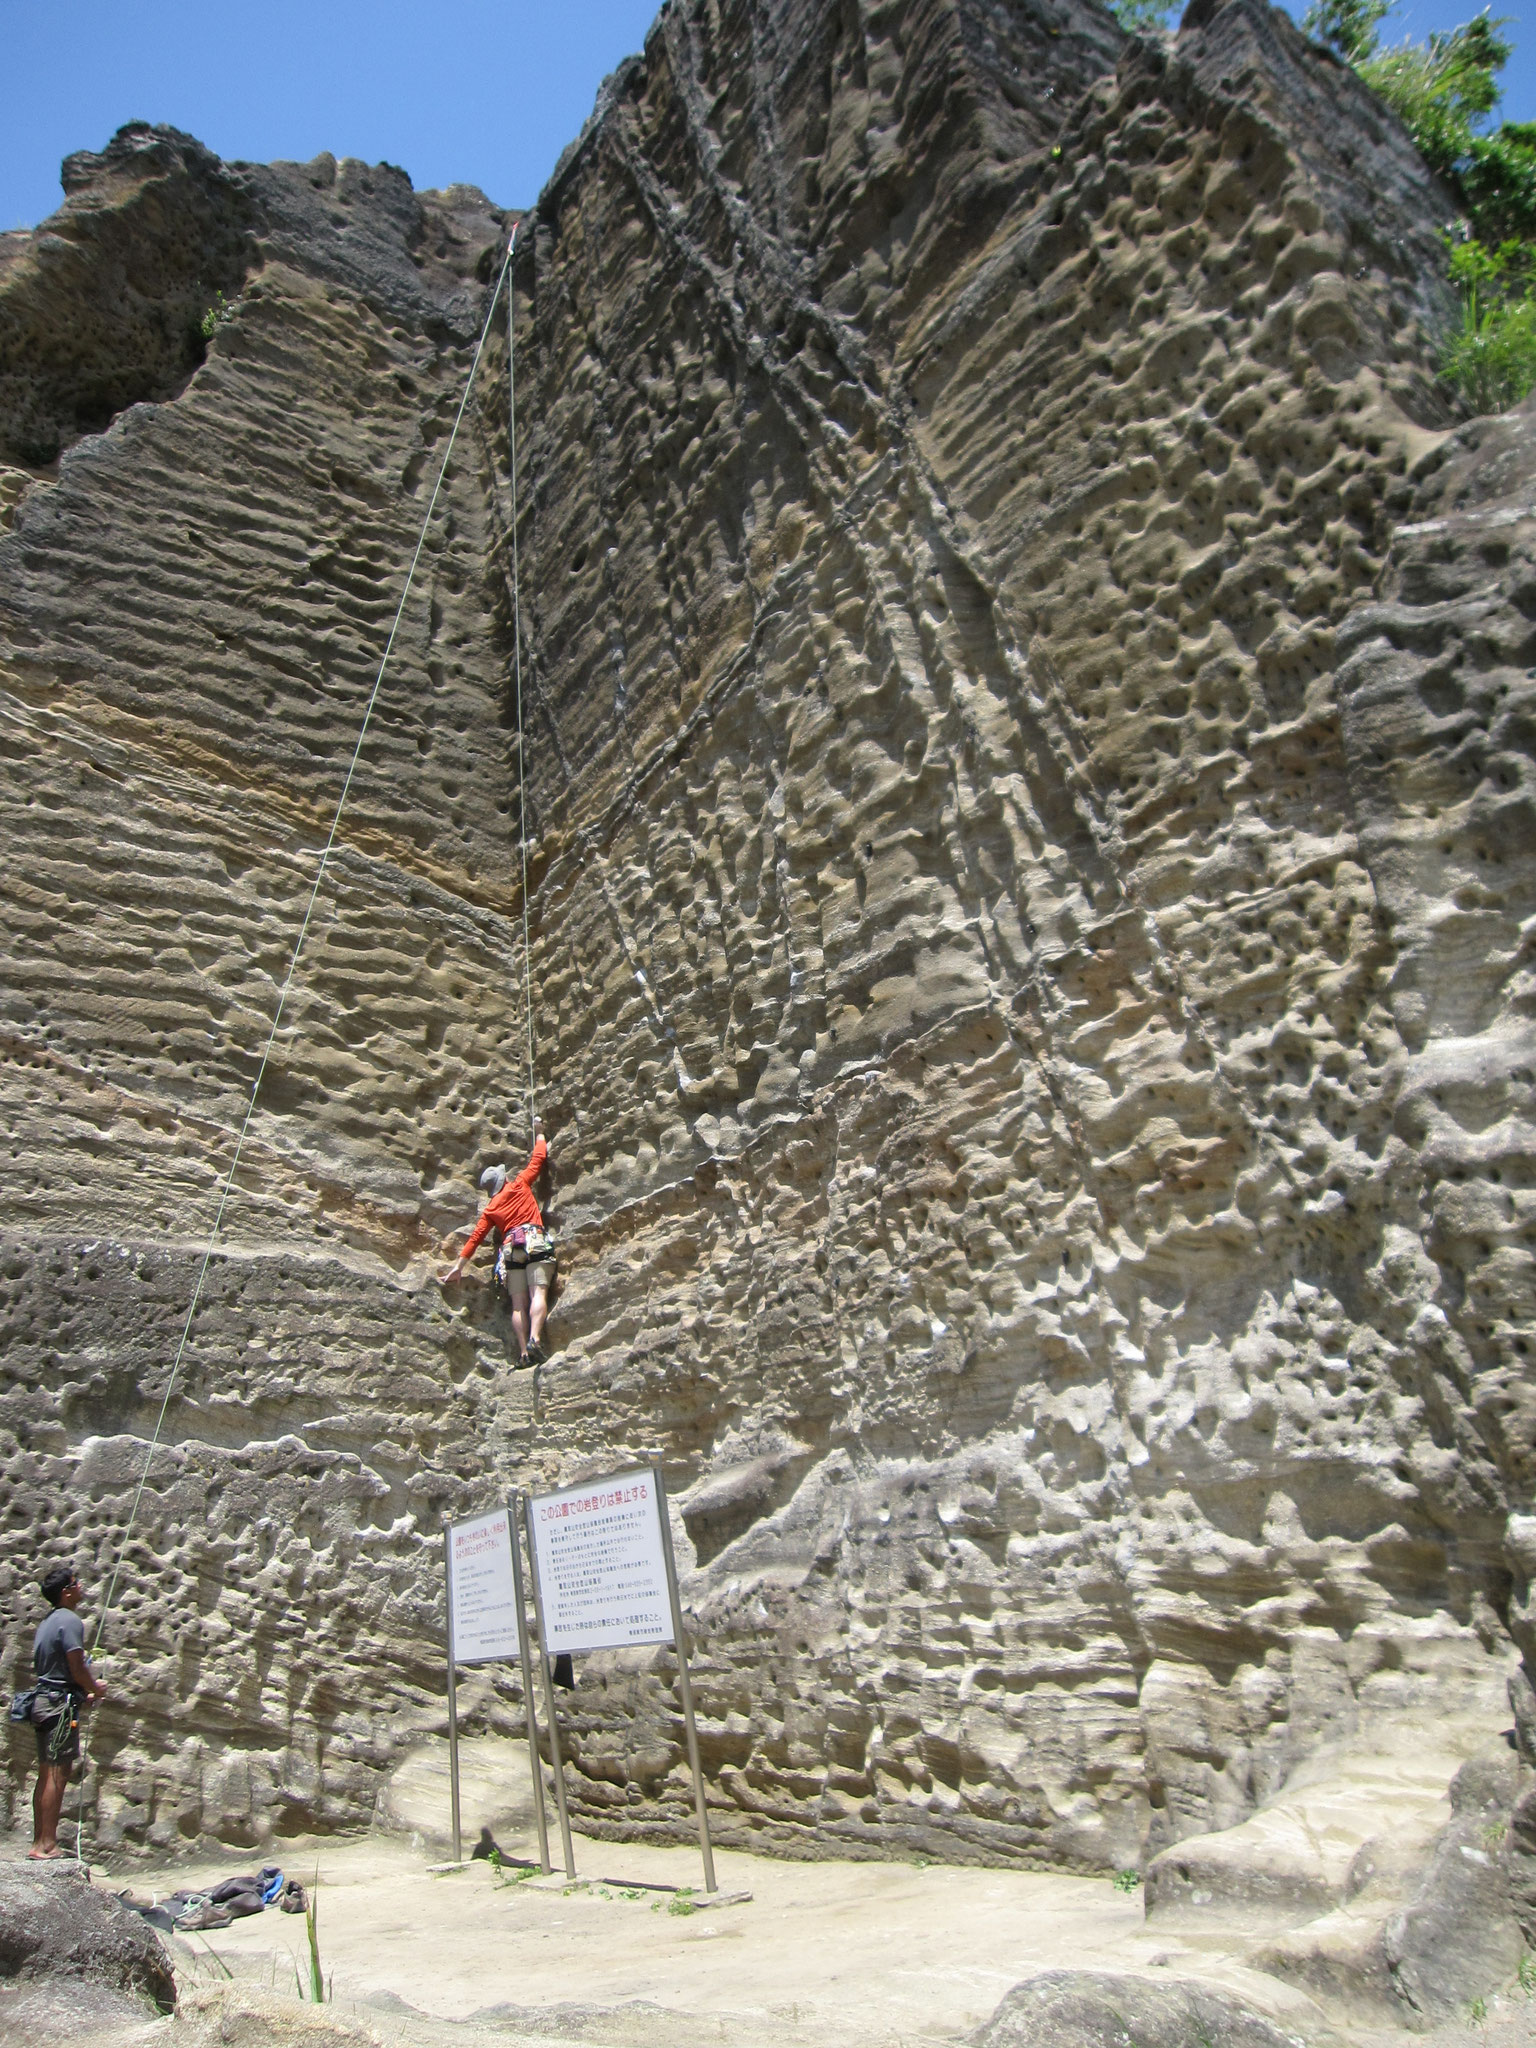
x: 860, y: 1955
x: 851, y: 1955
x: 856, y: 1953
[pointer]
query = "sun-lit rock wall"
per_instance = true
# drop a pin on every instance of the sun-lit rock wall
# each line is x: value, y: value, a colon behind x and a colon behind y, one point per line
x: 1027, y: 877
x: 193, y: 606
x: 957, y: 438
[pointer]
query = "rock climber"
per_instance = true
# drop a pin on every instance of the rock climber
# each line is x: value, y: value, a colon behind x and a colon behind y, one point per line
x: 525, y: 1262
x: 65, y: 1684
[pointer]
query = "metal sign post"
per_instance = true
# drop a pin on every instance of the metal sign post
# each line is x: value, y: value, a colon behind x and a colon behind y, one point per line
x: 484, y: 1604
x: 549, y: 1695
x: 535, y: 1762
x: 453, y: 1700
x: 606, y: 1578
x: 683, y: 1685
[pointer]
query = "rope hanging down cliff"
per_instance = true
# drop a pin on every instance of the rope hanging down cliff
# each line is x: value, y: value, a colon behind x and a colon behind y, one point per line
x: 517, y: 658
x: 298, y: 945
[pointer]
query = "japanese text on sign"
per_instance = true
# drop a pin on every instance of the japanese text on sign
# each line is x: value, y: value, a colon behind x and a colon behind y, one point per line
x: 481, y: 1595
x: 602, y: 1570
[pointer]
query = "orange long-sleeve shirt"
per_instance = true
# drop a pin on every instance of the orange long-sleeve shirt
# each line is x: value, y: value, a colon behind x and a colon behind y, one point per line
x: 514, y: 1205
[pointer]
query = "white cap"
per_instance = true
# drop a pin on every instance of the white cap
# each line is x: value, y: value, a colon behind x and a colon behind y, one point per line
x: 494, y: 1178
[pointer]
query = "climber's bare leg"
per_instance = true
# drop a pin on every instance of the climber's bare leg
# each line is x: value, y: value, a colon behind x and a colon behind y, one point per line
x: 47, y: 1805
x: 538, y: 1310
x: 520, y: 1320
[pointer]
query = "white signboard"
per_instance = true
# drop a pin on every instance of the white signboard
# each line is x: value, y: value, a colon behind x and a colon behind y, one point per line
x: 602, y: 1571
x: 482, y: 1599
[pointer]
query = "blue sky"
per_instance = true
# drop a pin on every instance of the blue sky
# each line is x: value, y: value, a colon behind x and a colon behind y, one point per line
x: 483, y: 91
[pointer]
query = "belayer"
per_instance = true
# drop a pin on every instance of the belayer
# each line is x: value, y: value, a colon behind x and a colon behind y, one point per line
x: 64, y: 1685
x: 525, y: 1261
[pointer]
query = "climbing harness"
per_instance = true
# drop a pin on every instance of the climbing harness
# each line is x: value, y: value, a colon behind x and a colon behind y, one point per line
x: 298, y: 947
x: 522, y: 1247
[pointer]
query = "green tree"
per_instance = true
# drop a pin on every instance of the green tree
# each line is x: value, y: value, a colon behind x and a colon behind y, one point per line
x: 1141, y: 17
x: 1491, y: 358
x: 1348, y: 26
x: 1498, y: 181
x: 1443, y: 90
x: 1446, y: 91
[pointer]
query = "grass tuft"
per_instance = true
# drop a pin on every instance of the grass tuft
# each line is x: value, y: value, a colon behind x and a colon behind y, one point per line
x: 318, y: 1993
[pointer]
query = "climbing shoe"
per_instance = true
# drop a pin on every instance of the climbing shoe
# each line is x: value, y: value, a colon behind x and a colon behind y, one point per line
x: 200, y: 1913
x: 534, y: 1355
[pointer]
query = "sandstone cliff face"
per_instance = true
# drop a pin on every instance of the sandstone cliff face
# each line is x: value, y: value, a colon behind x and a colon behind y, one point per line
x: 195, y: 609
x: 1028, y: 769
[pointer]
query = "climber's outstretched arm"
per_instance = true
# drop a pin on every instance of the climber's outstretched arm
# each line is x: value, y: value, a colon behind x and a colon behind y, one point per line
x: 471, y: 1244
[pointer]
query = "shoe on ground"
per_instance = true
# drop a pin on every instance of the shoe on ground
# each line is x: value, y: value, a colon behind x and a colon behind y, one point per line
x: 534, y: 1355
x: 194, y: 1919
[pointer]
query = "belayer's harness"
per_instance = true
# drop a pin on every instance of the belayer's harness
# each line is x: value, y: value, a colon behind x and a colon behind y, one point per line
x: 51, y: 1701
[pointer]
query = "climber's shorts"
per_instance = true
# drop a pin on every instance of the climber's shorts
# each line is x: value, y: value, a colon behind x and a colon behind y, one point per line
x: 517, y: 1271
x: 521, y: 1278
x: 58, y: 1740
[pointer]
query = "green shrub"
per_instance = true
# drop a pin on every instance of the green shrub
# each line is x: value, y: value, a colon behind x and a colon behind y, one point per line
x: 1445, y: 91
x: 1498, y: 181
x: 1491, y: 358
x: 1348, y: 26
x: 220, y: 311
x: 1441, y: 90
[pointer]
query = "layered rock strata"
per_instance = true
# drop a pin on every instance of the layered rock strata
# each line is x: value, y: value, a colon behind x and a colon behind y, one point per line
x: 195, y: 606
x: 1027, y: 887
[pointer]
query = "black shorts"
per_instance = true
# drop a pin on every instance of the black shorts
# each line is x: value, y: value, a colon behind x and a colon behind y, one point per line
x: 58, y: 1741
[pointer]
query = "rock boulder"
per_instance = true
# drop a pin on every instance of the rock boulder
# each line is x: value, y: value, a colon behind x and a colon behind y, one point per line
x: 1095, y: 2009
x: 55, y: 1924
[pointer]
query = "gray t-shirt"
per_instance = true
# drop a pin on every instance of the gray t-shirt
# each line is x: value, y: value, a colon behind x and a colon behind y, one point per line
x: 58, y: 1635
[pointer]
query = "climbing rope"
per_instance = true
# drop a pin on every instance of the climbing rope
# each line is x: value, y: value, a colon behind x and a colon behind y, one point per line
x: 298, y: 947
x: 85, y: 1765
x: 517, y: 644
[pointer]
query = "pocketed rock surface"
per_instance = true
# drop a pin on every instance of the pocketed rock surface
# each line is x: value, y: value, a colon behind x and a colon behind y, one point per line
x: 1028, y: 764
